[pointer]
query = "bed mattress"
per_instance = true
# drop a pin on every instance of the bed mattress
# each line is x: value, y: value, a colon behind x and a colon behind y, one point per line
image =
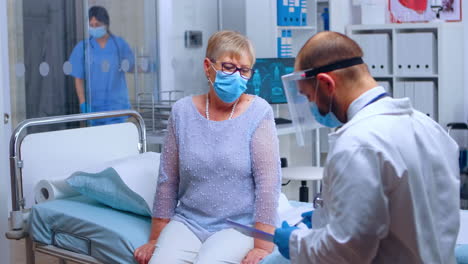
x: 85, y: 226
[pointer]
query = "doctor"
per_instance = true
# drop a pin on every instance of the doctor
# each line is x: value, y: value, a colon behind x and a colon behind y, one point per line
x: 391, y: 183
x: 103, y: 68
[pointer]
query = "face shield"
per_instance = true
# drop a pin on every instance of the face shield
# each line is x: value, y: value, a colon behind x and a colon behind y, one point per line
x: 299, y: 105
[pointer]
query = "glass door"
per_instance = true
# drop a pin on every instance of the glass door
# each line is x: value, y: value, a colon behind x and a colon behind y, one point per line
x: 113, y: 67
x: 63, y: 61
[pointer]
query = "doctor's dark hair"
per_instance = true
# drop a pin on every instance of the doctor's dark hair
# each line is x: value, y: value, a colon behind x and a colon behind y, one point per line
x: 100, y: 13
x: 329, y: 47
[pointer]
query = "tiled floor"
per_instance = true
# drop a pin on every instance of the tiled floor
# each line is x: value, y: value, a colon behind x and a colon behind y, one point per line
x: 19, y: 255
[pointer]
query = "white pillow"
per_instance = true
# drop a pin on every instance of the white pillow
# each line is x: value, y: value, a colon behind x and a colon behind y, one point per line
x: 123, y: 184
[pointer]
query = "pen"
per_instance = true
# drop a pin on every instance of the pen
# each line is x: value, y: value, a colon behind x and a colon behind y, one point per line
x: 300, y: 221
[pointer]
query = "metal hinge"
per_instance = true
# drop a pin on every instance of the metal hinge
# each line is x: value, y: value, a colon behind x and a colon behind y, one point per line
x: 6, y: 118
x: 19, y: 163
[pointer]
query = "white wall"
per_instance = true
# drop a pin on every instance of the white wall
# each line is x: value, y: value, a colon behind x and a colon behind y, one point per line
x: 4, y: 132
x: 182, y: 68
x: 340, y: 14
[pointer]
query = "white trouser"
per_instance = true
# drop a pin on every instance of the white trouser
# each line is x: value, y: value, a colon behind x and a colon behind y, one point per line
x: 178, y: 244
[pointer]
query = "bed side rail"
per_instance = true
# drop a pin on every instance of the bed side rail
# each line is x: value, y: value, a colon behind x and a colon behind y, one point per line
x: 17, y: 198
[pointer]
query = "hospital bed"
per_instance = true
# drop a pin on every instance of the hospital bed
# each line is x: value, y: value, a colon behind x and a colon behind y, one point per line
x: 78, y: 228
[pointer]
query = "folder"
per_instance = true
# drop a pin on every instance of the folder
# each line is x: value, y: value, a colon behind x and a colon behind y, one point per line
x: 297, y: 12
x: 399, y: 90
x: 424, y: 97
x: 289, y: 41
x: 386, y: 86
x: 282, y: 9
x: 292, y: 14
x: 250, y: 231
x: 409, y: 92
x: 381, y: 53
x: 284, y: 43
x: 303, y: 12
x: 278, y: 44
x: 424, y: 47
x: 402, y: 48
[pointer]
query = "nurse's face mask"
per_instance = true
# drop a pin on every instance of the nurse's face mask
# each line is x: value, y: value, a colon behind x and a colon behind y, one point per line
x: 96, y: 29
x: 306, y: 115
x: 97, y: 32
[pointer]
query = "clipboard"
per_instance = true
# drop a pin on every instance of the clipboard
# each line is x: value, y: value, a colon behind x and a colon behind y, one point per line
x: 250, y: 231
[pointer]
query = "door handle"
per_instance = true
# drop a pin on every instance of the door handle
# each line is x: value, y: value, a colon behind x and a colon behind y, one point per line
x: 6, y: 118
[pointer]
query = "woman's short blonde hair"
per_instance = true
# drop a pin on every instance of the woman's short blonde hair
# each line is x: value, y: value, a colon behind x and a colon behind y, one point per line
x: 229, y: 43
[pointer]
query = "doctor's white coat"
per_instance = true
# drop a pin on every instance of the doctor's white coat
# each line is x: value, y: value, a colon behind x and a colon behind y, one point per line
x: 390, y: 190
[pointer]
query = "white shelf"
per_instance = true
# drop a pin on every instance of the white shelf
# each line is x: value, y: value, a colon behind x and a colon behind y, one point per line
x: 439, y: 91
x: 420, y: 76
x: 258, y: 21
x: 390, y: 27
x: 383, y: 76
x: 296, y: 27
x: 302, y: 173
x: 285, y: 129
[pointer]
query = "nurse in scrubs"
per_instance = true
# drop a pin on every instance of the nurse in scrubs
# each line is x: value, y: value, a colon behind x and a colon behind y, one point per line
x: 99, y: 64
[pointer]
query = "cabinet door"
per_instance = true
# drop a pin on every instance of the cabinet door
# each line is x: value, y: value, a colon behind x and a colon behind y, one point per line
x: 415, y: 53
x: 424, y: 93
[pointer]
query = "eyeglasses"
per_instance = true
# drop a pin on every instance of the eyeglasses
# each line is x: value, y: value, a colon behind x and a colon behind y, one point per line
x: 231, y: 68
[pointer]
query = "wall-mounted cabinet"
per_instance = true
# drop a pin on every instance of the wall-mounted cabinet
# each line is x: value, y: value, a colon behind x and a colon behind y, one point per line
x: 258, y: 20
x: 423, y: 62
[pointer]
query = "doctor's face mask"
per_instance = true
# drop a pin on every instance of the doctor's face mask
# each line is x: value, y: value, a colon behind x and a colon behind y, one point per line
x: 329, y: 119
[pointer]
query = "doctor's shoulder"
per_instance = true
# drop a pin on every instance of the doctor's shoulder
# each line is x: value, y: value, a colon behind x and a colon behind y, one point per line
x: 371, y: 133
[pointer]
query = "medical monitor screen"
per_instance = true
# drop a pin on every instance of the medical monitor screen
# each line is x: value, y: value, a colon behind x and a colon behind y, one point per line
x: 266, y: 81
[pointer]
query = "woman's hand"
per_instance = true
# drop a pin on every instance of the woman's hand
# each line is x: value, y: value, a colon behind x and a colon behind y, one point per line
x: 144, y: 253
x: 254, y: 256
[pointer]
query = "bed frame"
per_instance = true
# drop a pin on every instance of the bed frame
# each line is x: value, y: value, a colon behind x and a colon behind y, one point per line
x: 19, y: 215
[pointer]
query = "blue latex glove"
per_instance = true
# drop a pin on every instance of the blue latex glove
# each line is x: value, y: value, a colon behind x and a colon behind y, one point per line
x: 307, y: 218
x: 281, y: 238
x: 84, y: 107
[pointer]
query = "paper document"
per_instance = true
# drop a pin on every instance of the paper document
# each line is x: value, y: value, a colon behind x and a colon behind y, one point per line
x: 293, y: 215
x: 250, y: 231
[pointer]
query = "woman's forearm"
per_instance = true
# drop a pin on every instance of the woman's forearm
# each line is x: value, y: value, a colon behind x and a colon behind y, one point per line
x: 80, y: 91
x: 157, y: 225
x: 261, y: 244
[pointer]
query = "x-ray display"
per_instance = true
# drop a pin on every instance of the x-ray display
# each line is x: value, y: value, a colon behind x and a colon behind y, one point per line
x: 266, y: 81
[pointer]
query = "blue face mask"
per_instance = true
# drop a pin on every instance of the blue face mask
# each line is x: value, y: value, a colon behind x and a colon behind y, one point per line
x: 229, y: 87
x: 329, y: 119
x: 97, y: 32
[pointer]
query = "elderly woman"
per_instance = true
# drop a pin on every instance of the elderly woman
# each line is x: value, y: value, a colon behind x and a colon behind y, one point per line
x: 220, y: 160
